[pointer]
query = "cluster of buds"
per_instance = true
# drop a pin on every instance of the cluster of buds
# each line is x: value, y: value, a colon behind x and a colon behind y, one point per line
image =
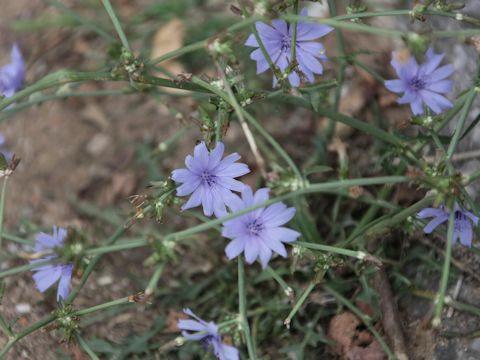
x: 281, y: 180
x: 152, y: 206
x: 129, y: 65
x: 356, y: 7
x: 164, y: 251
x: 67, y: 322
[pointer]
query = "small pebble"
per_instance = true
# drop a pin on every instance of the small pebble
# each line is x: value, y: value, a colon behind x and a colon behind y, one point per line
x: 23, y: 308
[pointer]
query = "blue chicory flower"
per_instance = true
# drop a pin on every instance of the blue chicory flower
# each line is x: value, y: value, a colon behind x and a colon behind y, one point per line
x: 422, y: 84
x: 12, y: 75
x: 277, y: 41
x: 46, y: 275
x: 210, y: 179
x: 259, y: 232
x: 462, y: 225
x: 207, y: 334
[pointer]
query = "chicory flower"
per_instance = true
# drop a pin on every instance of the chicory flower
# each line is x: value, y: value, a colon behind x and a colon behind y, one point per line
x: 209, y: 179
x: 422, y: 84
x: 462, y: 226
x: 47, y: 275
x: 12, y: 75
x: 207, y: 334
x: 258, y: 233
x: 277, y: 40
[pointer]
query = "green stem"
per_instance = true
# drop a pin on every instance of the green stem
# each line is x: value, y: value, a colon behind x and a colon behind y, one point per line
x: 308, y: 190
x: 437, y: 318
x: 91, y: 265
x: 242, y: 308
x: 459, y: 128
x: 6, y: 328
x: 299, y: 303
x: 2, y: 207
x: 116, y: 24
x: 341, y: 55
x: 293, y: 47
x: 152, y: 284
x: 361, y: 255
x: 17, y: 239
x: 22, y: 268
x: 103, y: 306
x: 285, y: 287
x: 38, y: 325
x: 132, y: 244
x: 81, y: 20
x: 83, y: 344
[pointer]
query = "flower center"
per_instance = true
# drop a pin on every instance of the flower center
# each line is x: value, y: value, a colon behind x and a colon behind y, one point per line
x: 209, y: 179
x: 286, y: 43
x: 417, y: 83
x: 255, y: 227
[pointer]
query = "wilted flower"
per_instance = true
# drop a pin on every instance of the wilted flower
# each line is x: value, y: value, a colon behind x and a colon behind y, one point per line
x: 277, y: 41
x: 260, y: 231
x: 207, y: 334
x: 210, y: 179
x: 46, y: 275
x: 422, y: 84
x: 462, y: 226
x: 12, y: 75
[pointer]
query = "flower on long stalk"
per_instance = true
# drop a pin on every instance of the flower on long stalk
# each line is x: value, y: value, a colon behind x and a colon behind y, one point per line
x: 258, y: 233
x: 462, y: 228
x: 47, y: 275
x: 277, y: 40
x: 422, y: 84
x: 209, y: 179
x: 207, y: 333
x: 12, y: 75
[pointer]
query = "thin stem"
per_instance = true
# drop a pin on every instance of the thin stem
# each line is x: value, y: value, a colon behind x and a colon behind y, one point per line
x: 308, y: 190
x: 116, y: 24
x: 38, y: 325
x: 91, y: 265
x: 132, y: 244
x: 293, y: 47
x: 83, y: 344
x: 81, y: 20
x: 152, y: 284
x: 242, y: 308
x: 341, y: 54
x: 6, y: 328
x: 2, y: 207
x: 17, y: 239
x: 459, y: 128
x: 440, y: 301
x: 285, y: 287
x: 22, y: 268
x: 246, y: 130
x: 299, y: 303
x: 361, y: 255
x: 252, y: 121
x: 103, y: 306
